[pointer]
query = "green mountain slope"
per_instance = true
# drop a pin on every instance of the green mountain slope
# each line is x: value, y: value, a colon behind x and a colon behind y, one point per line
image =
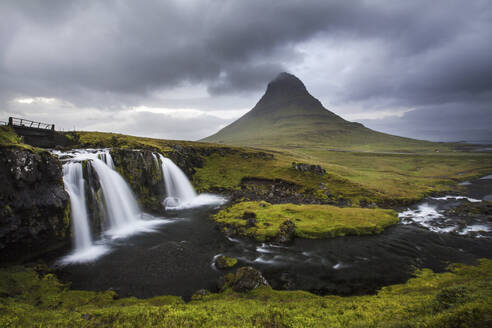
x: 287, y: 116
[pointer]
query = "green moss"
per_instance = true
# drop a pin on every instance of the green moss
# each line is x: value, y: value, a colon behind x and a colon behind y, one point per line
x: 465, y: 293
x: 311, y: 221
x: 225, y: 262
x: 8, y: 138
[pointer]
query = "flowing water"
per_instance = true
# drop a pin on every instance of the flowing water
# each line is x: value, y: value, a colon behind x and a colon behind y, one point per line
x: 178, y: 258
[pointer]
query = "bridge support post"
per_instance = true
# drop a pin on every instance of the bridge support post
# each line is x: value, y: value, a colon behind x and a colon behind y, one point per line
x: 11, y: 122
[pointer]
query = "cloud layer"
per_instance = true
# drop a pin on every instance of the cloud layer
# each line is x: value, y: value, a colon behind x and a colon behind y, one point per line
x: 103, y: 60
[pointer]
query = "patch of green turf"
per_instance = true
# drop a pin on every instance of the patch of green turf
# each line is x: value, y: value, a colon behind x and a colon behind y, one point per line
x: 311, y: 221
x: 460, y: 298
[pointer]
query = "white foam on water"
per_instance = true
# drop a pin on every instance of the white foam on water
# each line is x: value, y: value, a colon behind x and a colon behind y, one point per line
x: 487, y: 177
x: 475, y: 228
x: 88, y: 254
x: 426, y: 216
x: 465, y: 183
x: 472, y: 200
x: 199, y: 201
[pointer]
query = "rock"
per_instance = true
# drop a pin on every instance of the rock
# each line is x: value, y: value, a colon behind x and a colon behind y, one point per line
x: 225, y: 262
x: 302, y: 167
x: 34, y: 207
x: 286, y: 232
x: 199, y: 294
x: 143, y: 174
x: 247, y: 278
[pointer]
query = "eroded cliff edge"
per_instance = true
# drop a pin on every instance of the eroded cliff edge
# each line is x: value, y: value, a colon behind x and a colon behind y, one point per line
x: 34, y: 207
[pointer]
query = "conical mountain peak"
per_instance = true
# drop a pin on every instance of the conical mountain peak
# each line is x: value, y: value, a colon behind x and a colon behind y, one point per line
x: 286, y: 84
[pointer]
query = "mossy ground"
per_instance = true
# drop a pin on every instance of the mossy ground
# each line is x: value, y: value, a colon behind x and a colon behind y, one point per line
x: 461, y: 298
x: 8, y: 138
x: 311, y: 221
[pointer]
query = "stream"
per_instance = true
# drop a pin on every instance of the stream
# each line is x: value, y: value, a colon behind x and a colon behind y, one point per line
x: 176, y: 257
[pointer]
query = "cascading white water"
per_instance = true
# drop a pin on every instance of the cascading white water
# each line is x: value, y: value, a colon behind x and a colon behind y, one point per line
x: 85, y: 250
x: 120, y: 204
x: 74, y: 185
x: 180, y: 192
x: 124, y: 214
x: 178, y: 188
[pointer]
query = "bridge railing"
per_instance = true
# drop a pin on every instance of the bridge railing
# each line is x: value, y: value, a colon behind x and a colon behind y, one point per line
x: 22, y: 122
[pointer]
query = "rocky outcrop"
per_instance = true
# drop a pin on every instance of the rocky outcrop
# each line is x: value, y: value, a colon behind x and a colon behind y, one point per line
x: 302, y: 167
x: 144, y: 175
x: 246, y: 279
x: 34, y: 207
x: 275, y: 191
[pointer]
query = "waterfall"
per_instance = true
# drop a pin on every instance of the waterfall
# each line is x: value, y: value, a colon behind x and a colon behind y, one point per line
x: 120, y: 204
x: 179, y: 190
x: 85, y: 250
x: 124, y: 215
x: 74, y: 185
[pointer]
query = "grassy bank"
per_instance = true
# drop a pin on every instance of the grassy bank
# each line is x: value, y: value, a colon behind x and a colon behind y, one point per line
x: 461, y: 298
x: 311, y: 221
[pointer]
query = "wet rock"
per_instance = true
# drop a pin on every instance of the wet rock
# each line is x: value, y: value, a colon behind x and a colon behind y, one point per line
x: 143, y: 174
x: 302, y: 167
x: 225, y: 262
x: 200, y: 294
x: 34, y: 207
x: 247, y: 278
x: 286, y: 232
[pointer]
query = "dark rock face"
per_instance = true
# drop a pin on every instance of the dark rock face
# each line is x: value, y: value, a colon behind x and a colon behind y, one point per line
x: 94, y: 199
x: 286, y: 232
x: 34, y: 207
x: 275, y: 191
x: 143, y: 174
x: 316, y: 169
x: 247, y: 278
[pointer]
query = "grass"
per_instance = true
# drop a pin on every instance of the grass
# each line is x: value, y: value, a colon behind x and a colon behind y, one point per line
x: 311, y: 221
x: 8, y: 138
x: 460, y: 298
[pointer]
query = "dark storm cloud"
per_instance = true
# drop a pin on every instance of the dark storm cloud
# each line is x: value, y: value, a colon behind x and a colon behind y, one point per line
x: 117, y: 54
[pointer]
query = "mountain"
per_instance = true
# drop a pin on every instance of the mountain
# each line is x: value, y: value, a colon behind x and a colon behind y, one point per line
x: 288, y: 116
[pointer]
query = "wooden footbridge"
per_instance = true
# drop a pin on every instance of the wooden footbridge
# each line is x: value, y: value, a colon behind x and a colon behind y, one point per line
x: 37, y: 134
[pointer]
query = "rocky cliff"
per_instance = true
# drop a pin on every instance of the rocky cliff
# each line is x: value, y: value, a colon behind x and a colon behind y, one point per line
x: 34, y: 207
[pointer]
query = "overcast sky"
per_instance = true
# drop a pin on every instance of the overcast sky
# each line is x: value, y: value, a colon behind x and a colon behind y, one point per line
x: 184, y: 69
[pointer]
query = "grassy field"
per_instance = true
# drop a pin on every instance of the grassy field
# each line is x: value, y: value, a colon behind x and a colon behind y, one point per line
x: 460, y: 298
x: 353, y: 175
x: 311, y: 221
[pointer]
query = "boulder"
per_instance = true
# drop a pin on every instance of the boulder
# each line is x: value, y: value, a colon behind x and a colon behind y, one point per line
x: 247, y: 278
